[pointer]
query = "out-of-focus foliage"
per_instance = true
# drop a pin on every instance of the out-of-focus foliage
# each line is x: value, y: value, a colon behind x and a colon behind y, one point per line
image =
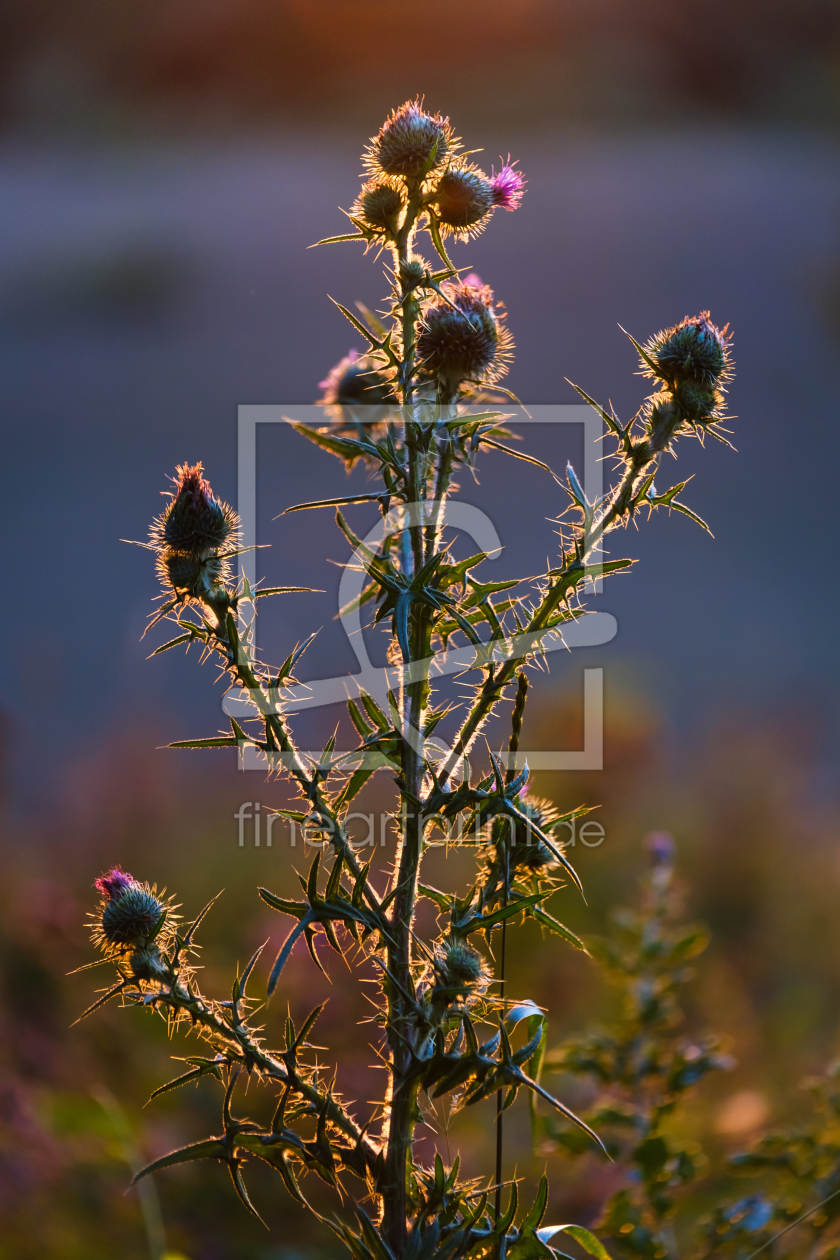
x: 642, y: 1067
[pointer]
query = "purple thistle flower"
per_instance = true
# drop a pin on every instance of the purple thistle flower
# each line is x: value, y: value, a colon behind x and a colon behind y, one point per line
x: 508, y: 186
x: 114, y: 883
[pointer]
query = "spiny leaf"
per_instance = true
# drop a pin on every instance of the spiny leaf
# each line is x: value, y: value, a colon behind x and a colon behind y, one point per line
x: 211, y: 1148
x: 239, y: 1187
x: 287, y: 590
x: 610, y: 421
x: 100, y: 1001
x: 196, y: 923
x: 286, y: 949
x: 208, y: 1069
x: 182, y: 638
x: 221, y: 741
x: 333, y: 240
x: 554, y: 925
x: 353, y: 498
x: 373, y: 711
x: 584, y: 1237
x: 357, y: 324
x: 361, y: 725
x: 508, y: 450
x: 250, y: 966
x: 680, y: 507
x: 293, y: 658
x: 347, y: 448
x: 537, y: 1212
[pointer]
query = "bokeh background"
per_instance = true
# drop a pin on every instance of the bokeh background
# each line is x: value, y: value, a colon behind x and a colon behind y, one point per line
x: 163, y: 167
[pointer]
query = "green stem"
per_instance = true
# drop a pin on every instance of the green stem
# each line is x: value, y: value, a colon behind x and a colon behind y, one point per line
x: 401, y: 1093
x: 638, y: 459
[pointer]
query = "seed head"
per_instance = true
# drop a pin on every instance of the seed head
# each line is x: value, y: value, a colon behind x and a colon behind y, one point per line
x: 379, y: 205
x: 694, y: 350
x: 411, y: 142
x: 194, y: 520
x: 463, y: 338
x: 463, y: 200
x: 508, y: 187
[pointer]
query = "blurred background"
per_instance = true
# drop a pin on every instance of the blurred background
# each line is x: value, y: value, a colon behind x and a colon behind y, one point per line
x: 163, y: 168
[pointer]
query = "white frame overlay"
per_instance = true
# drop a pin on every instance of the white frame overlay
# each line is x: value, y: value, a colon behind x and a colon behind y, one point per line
x: 591, y: 630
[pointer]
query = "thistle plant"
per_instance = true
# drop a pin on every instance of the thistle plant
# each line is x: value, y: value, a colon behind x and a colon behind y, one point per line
x: 421, y: 403
x: 643, y: 1067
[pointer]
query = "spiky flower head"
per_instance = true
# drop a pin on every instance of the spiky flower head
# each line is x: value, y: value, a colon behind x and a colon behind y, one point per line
x: 463, y: 201
x: 194, y: 520
x: 694, y: 350
x: 508, y: 186
x: 130, y: 911
x: 411, y: 142
x: 462, y: 337
x: 379, y: 205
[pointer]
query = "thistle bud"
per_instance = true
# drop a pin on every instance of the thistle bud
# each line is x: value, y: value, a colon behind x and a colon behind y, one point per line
x: 131, y: 911
x: 194, y: 519
x: 411, y: 142
x: 693, y: 350
x: 149, y: 964
x: 189, y: 536
x: 379, y: 205
x: 463, y: 338
x: 355, y: 379
x: 460, y: 972
x: 413, y: 272
x: 463, y: 200
x: 525, y: 850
